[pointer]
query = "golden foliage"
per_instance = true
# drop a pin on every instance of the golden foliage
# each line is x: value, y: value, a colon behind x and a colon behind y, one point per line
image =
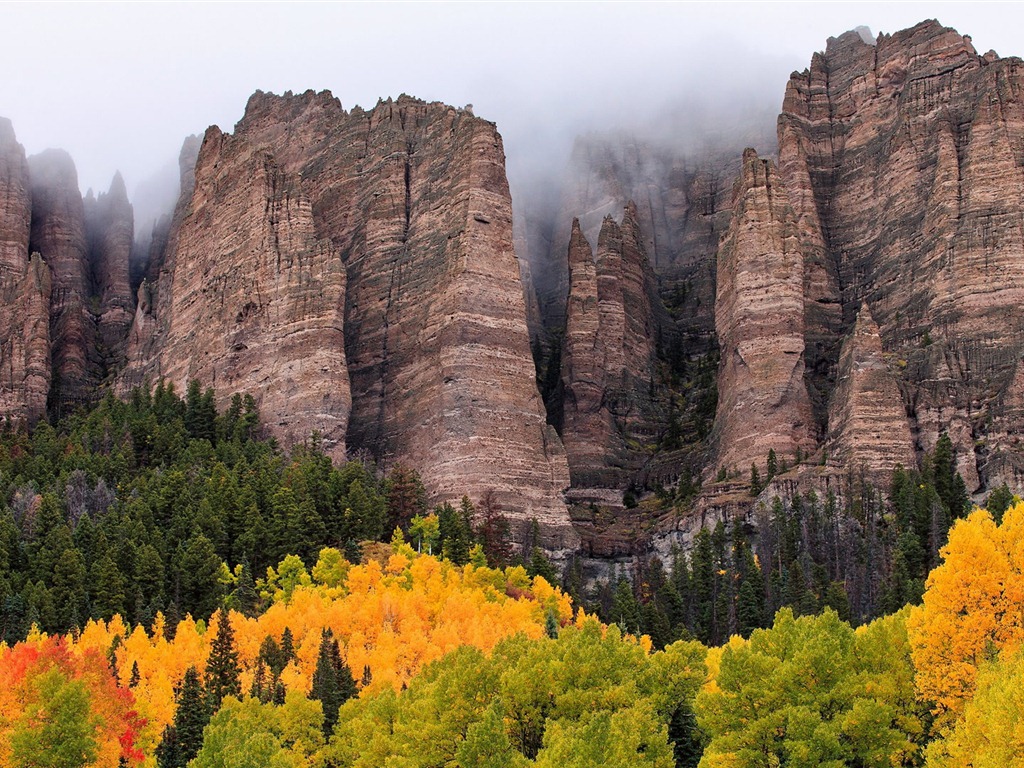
x: 972, y: 609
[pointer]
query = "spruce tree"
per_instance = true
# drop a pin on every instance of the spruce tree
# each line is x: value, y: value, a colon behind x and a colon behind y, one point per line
x: 222, y: 667
x: 332, y: 681
x: 182, y: 740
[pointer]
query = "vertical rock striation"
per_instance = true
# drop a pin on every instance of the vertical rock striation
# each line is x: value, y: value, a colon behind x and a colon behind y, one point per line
x: 24, y: 293
x: 868, y: 429
x: 110, y: 225
x: 759, y: 315
x: 608, y: 359
x: 402, y: 213
x: 904, y: 163
x: 59, y: 236
x: 256, y: 300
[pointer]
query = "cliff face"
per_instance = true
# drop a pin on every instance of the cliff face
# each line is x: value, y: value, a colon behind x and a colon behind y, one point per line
x: 608, y: 357
x: 904, y: 163
x: 681, y: 207
x: 59, y: 235
x: 110, y: 226
x: 759, y: 316
x: 868, y: 429
x: 24, y: 293
x: 409, y: 203
x: 256, y: 300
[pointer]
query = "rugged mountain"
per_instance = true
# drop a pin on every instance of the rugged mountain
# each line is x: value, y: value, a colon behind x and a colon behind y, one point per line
x: 759, y: 316
x: 608, y: 355
x: 59, y: 235
x: 868, y: 428
x: 390, y: 231
x: 679, y: 199
x: 904, y: 161
x: 110, y: 227
x: 24, y: 293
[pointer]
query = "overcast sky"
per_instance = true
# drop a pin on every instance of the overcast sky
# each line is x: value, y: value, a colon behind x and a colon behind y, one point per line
x: 119, y: 85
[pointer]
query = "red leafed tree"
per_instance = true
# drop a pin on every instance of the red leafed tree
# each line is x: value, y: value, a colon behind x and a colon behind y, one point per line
x: 62, y: 701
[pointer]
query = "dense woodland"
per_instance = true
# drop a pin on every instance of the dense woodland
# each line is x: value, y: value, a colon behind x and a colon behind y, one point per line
x: 176, y: 588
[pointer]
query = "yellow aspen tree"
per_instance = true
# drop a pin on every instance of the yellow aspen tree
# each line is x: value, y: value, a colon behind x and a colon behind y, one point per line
x: 972, y: 610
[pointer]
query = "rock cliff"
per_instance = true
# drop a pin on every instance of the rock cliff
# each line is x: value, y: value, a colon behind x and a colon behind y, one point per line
x: 396, y: 221
x: 59, y: 236
x: 24, y: 293
x: 759, y: 316
x: 608, y: 357
x: 110, y: 226
x: 904, y: 162
x: 868, y: 429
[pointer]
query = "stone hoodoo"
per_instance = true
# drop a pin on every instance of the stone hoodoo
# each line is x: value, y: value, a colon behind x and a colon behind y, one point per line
x: 59, y: 235
x: 110, y: 225
x: 904, y: 164
x: 409, y: 200
x: 24, y: 293
x: 868, y: 428
x: 680, y: 201
x: 759, y: 315
x: 608, y: 359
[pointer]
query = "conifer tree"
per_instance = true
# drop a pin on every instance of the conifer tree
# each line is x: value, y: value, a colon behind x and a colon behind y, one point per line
x: 333, y: 684
x: 222, y: 667
x: 182, y: 740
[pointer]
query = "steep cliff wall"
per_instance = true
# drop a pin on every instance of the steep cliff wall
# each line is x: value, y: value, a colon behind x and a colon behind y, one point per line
x: 904, y: 162
x: 24, y: 293
x: 759, y: 316
x: 868, y: 429
x: 110, y: 227
x: 608, y: 358
x: 59, y: 235
x: 411, y: 200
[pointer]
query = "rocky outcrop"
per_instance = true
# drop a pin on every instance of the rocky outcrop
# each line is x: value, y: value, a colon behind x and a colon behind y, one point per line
x: 15, y: 206
x: 904, y: 165
x: 682, y: 207
x: 608, y: 358
x: 759, y: 315
x: 256, y: 300
x: 24, y: 293
x: 868, y: 428
x: 410, y: 204
x: 110, y: 226
x: 59, y: 236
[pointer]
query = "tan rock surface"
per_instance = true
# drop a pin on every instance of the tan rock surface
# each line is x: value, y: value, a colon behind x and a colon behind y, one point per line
x: 904, y: 163
x: 868, y: 428
x: 759, y: 315
x: 24, y: 293
x: 413, y: 197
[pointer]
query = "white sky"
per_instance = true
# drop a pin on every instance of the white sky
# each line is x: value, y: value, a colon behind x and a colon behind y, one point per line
x: 119, y: 85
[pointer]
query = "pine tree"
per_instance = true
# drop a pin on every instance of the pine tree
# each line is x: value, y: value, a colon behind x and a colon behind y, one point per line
x: 182, y: 740
x: 222, y: 667
x: 333, y: 684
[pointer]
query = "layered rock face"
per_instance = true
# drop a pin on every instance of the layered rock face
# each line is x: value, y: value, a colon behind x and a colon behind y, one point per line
x: 608, y: 357
x: 759, y: 316
x: 24, y: 293
x: 682, y: 207
x: 256, y: 301
x: 59, y: 235
x: 110, y: 225
x: 904, y: 164
x: 409, y: 203
x: 868, y: 428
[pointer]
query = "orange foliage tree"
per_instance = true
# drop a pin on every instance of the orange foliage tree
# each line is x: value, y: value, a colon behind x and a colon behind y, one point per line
x: 390, y: 619
x: 56, y: 698
x: 972, y: 609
